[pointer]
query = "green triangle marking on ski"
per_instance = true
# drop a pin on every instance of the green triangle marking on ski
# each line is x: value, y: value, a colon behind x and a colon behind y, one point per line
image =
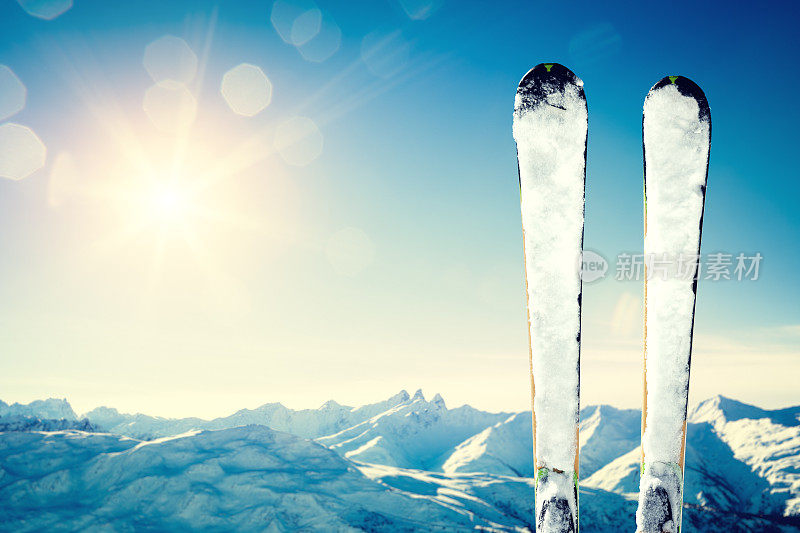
x: 548, y: 66
x: 541, y: 475
x: 672, y: 79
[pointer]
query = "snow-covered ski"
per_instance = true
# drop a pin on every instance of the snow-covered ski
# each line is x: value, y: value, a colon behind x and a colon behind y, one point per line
x: 676, y: 131
x: 550, y: 127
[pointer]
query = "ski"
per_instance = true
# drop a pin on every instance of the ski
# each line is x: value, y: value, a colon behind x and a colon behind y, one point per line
x: 550, y: 128
x: 676, y: 141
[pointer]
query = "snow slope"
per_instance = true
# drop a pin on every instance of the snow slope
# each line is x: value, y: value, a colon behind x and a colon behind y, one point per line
x: 620, y: 475
x: 249, y: 478
x: 502, y: 499
x: 505, y: 448
x: 252, y: 478
x: 606, y: 433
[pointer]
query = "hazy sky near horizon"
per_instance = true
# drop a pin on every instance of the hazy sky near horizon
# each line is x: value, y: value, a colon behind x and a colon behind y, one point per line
x: 361, y: 233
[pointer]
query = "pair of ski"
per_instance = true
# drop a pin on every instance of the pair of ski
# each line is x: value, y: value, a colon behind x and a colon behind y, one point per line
x: 550, y: 128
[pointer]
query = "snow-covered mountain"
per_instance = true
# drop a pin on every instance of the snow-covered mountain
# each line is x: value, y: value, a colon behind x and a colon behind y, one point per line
x: 32, y: 423
x: 738, y: 458
x: 41, y: 415
x: 330, y: 418
x: 249, y: 478
x: 406, y: 431
x: 140, y: 426
x: 762, y: 448
x: 462, y: 468
x: 620, y: 475
x: 416, y: 433
x: 505, y: 448
x: 606, y: 433
x: 51, y: 408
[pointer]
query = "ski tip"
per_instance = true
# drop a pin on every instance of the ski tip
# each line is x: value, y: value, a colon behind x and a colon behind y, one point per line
x: 689, y: 89
x: 543, y: 79
x: 556, y: 516
x: 549, y: 71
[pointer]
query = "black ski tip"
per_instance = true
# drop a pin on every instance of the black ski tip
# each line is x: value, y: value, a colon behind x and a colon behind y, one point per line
x: 688, y: 88
x: 657, y: 509
x: 555, y: 515
x: 544, y: 79
x: 548, y: 71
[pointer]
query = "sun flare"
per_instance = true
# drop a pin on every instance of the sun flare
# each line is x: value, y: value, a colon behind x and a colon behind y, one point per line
x: 169, y: 203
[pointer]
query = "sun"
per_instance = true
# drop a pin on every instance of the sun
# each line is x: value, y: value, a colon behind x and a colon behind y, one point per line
x: 168, y: 203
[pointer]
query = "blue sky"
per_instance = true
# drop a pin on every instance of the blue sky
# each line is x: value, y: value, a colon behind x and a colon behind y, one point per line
x: 417, y: 176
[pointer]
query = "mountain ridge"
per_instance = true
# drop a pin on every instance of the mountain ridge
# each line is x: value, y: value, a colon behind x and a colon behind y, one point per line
x: 739, y: 457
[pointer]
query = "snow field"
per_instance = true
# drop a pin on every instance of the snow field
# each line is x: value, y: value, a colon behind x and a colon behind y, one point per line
x: 249, y: 478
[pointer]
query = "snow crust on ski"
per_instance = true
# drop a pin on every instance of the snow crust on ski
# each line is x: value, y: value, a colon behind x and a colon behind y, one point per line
x: 550, y: 128
x: 676, y: 129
